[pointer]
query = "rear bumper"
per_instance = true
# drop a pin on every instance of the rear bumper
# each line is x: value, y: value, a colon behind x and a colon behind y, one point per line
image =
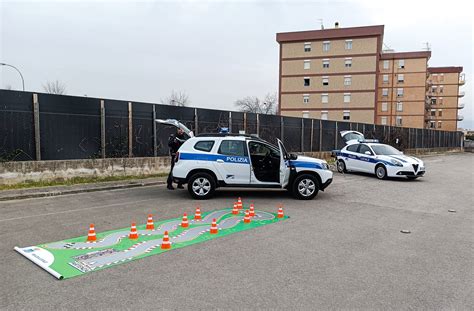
x: 180, y: 180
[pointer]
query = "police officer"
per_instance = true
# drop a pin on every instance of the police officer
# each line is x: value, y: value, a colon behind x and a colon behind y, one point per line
x: 174, y: 142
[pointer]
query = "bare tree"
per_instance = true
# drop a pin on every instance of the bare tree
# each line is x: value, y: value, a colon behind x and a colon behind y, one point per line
x: 177, y: 98
x: 255, y: 105
x: 54, y: 87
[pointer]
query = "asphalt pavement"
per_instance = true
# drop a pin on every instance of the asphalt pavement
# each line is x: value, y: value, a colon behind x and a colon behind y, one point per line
x: 344, y: 249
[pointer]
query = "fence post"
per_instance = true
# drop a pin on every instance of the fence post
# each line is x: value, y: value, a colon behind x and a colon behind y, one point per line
x: 282, y: 129
x: 320, y: 135
x: 335, y: 137
x: 130, y: 129
x: 36, y: 120
x: 245, y: 123
x: 155, y: 142
x: 102, y: 128
x: 302, y: 135
x: 258, y: 125
x: 408, y: 143
x: 230, y: 121
x: 311, y: 135
x: 196, y: 123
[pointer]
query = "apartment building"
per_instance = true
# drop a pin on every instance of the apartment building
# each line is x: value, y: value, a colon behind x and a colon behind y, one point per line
x: 442, y: 99
x: 343, y: 74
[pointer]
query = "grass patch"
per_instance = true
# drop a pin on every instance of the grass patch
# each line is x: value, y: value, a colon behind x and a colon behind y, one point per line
x: 75, y: 181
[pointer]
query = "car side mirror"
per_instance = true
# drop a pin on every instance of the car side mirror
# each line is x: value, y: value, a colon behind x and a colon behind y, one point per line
x: 293, y: 156
x: 368, y: 153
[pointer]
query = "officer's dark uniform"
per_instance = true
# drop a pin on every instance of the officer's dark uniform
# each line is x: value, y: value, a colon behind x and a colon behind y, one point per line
x: 174, y: 142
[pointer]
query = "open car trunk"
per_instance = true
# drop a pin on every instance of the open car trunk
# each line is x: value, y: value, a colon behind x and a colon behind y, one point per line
x: 176, y: 124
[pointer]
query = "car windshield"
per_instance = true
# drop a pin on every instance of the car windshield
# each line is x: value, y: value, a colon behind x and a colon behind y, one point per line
x: 385, y: 150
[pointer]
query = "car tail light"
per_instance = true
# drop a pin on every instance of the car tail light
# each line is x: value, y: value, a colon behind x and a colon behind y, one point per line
x: 176, y: 158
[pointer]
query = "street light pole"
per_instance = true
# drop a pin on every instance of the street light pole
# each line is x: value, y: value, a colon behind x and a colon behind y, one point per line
x: 22, y: 80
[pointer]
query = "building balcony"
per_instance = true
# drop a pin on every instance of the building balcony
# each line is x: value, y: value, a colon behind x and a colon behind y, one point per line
x: 461, y: 94
x: 460, y: 105
x: 429, y: 117
x: 462, y: 79
x: 460, y: 117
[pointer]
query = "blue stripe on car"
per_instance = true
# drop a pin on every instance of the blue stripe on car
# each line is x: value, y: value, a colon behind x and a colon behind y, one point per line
x: 365, y: 159
x: 214, y: 157
x: 306, y: 164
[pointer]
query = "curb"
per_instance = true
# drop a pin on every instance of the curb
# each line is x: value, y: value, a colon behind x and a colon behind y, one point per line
x: 75, y: 191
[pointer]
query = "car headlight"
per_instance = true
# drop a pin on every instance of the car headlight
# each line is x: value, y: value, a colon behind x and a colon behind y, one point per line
x: 325, y: 166
x: 396, y: 163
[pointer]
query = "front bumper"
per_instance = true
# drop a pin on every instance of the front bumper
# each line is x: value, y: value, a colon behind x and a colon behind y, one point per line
x: 326, y: 184
x: 405, y: 171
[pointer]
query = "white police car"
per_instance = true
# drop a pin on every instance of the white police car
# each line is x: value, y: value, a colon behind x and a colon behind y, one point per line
x: 208, y: 161
x: 369, y: 156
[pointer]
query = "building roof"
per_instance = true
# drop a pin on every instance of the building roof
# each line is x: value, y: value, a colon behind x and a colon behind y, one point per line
x: 405, y: 55
x: 451, y: 69
x: 333, y: 33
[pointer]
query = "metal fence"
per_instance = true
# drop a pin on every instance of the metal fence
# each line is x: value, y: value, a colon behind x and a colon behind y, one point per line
x: 36, y: 126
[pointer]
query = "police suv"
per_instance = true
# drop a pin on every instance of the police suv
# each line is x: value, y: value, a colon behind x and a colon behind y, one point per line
x: 208, y: 161
x: 369, y: 156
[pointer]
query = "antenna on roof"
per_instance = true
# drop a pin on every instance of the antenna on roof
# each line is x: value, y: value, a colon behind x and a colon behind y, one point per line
x: 321, y: 22
x: 387, y: 48
x: 427, y: 46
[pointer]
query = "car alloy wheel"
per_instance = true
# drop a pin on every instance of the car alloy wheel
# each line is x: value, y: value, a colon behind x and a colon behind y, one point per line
x: 341, y: 166
x: 381, y: 172
x: 306, y: 187
x: 201, y: 186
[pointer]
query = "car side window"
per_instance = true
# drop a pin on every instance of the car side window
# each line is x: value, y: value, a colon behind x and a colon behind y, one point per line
x: 204, y: 145
x: 364, y: 148
x: 232, y: 148
x: 262, y: 150
x: 352, y: 148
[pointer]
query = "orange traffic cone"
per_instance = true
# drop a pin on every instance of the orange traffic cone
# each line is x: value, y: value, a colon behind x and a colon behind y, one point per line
x: 280, y: 212
x: 197, y: 214
x: 239, y: 203
x: 149, y: 223
x: 91, y: 235
x: 184, y: 222
x: 166, y: 244
x: 235, y: 210
x: 252, y: 211
x: 214, y: 229
x: 246, y: 217
x: 133, y: 232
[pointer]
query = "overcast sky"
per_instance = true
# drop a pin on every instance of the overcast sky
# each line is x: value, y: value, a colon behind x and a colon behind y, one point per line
x: 217, y: 52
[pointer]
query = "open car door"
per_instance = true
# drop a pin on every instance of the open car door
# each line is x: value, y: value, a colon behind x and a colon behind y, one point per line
x: 351, y: 137
x: 284, y: 165
x: 177, y: 124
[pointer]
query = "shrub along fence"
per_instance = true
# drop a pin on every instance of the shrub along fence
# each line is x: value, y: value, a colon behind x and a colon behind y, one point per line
x: 37, y: 126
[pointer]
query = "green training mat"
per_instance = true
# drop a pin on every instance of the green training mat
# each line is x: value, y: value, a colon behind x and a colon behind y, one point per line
x: 74, y: 257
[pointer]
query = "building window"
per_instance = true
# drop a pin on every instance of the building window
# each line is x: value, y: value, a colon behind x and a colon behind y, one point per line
x: 441, y: 77
x: 346, y: 115
x: 347, y: 80
x: 434, y: 88
x: 324, y: 98
x: 383, y: 120
x: 347, y: 97
x: 307, y: 64
x: 440, y: 124
x: 401, y: 78
x: 305, y: 98
x: 326, y: 46
x: 307, y: 46
x: 384, y: 106
x: 386, y: 64
x: 401, y: 63
x: 432, y: 124
x: 348, y: 44
x: 325, y: 81
x: 324, y: 115
x: 325, y: 63
x: 433, y: 101
x: 348, y: 62
x: 399, y: 121
x: 307, y: 82
x: 385, y: 79
x: 399, y: 106
x: 434, y: 76
x: 440, y: 113
x: 305, y: 114
x: 399, y: 92
x: 433, y: 112
x: 384, y: 92
x: 441, y: 89
x: 440, y: 100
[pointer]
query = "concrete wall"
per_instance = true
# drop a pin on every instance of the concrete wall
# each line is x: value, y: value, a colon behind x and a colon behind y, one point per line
x: 17, y: 172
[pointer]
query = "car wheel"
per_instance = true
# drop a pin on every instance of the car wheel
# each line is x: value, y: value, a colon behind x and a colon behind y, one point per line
x: 341, y: 166
x: 381, y: 172
x: 201, y: 186
x: 305, y: 187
